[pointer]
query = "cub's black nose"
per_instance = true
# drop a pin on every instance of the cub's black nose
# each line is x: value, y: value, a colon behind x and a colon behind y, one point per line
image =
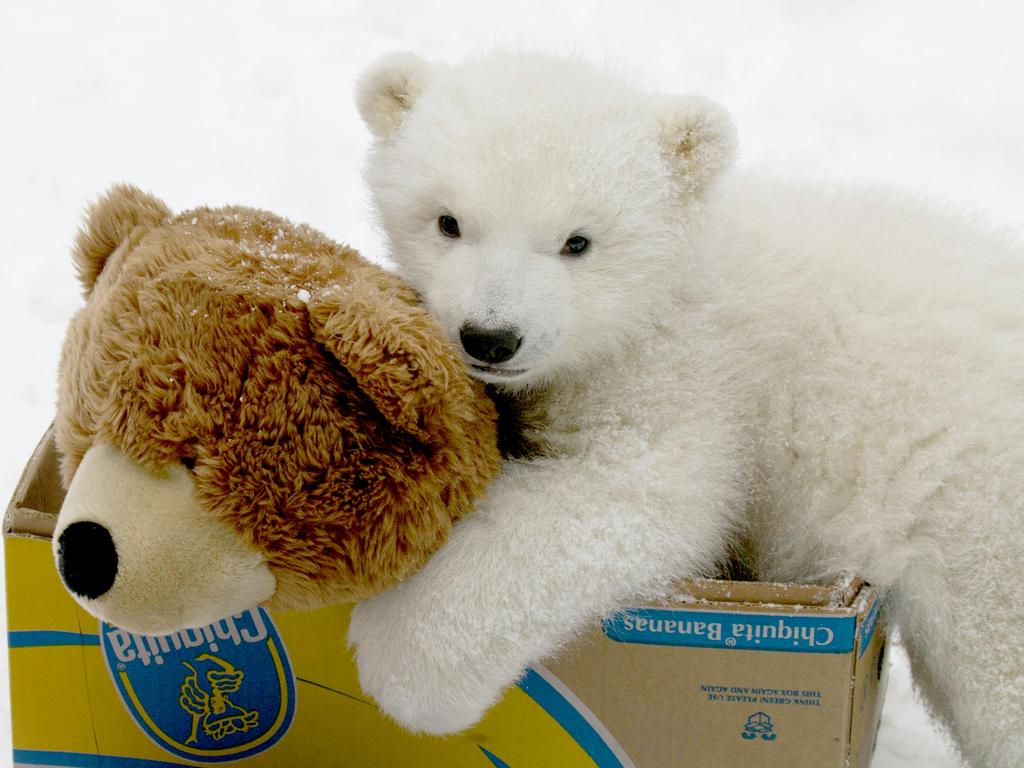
x: 87, y: 559
x: 490, y: 345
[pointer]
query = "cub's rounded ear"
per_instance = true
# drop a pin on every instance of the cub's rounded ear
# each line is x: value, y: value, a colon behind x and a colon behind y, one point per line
x: 388, y: 88
x: 698, y: 139
x: 108, y: 223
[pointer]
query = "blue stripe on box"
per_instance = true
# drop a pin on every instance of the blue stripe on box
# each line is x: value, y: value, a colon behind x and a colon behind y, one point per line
x: 868, y: 627
x: 84, y: 760
x: 32, y: 638
x: 803, y: 633
x: 570, y: 718
x: 496, y: 761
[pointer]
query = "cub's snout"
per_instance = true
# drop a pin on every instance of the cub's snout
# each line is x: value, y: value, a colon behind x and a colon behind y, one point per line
x: 490, y: 345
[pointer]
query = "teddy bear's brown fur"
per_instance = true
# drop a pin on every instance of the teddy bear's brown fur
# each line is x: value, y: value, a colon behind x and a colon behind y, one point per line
x: 320, y: 410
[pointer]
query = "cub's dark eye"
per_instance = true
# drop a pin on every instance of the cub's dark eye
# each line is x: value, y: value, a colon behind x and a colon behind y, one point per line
x: 189, y: 462
x: 449, y: 226
x: 575, y: 245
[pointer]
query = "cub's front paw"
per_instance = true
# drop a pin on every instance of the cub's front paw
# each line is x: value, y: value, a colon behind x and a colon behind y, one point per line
x: 417, y: 670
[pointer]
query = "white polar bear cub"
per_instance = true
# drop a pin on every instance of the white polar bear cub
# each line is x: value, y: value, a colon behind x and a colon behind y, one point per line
x: 838, y: 374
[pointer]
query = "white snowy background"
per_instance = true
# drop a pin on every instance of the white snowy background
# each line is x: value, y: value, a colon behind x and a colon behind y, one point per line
x: 251, y: 102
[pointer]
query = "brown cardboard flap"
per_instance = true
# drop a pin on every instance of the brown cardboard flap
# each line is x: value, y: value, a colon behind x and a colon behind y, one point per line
x: 839, y: 594
x: 38, y: 496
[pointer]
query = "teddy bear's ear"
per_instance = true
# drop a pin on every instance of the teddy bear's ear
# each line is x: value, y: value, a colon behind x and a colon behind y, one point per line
x: 387, y: 90
x: 698, y: 139
x: 394, y: 349
x: 108, y: 223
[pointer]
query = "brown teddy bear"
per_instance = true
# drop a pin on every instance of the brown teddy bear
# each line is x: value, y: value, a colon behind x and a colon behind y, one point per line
x: 250, y: 413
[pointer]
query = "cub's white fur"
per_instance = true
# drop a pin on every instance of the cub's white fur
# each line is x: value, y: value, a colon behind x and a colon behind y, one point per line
x: 840, y: 373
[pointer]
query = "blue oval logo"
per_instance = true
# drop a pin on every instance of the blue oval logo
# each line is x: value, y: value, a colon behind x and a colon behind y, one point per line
x: 218, y: 693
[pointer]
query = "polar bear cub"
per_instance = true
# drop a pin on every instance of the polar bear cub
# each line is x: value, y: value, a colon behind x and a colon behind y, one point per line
x: 836, y: 373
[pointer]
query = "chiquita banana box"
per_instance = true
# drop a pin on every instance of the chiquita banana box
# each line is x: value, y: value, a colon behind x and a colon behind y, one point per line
x: 729, y: 673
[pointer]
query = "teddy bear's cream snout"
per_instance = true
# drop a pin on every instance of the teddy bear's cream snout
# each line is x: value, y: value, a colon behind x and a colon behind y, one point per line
x: 135, y: 548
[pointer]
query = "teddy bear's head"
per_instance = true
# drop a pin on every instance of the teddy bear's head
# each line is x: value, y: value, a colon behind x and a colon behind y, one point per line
x: 250, y: 413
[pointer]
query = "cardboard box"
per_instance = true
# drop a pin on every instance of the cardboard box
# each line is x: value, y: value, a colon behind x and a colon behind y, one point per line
x: 725, y: 674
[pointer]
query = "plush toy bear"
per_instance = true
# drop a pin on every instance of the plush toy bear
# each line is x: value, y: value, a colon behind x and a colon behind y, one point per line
x: 250, y: 413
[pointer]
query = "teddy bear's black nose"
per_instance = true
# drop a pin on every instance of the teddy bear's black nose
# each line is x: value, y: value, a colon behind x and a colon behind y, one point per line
x: 490, y: 345
x: 87, y: 559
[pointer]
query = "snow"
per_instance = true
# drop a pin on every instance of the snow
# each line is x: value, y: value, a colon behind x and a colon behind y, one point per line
x: 239, y: 102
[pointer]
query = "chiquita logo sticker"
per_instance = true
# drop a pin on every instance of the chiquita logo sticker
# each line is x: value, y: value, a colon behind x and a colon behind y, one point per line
x: 217, y: 693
